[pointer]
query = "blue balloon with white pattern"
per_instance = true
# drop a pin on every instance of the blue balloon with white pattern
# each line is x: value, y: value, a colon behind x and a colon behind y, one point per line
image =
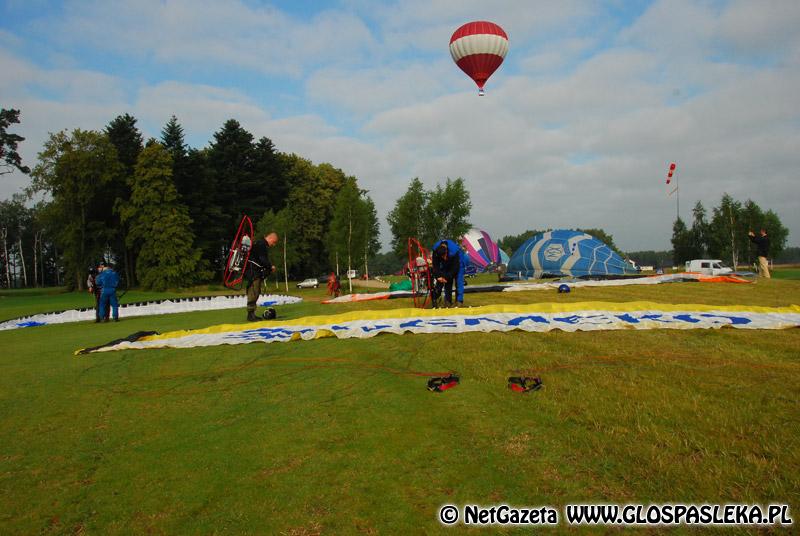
x: 564, y: 252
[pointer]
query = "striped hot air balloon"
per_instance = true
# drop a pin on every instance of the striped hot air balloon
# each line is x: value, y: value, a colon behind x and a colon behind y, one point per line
x: 479, y: 48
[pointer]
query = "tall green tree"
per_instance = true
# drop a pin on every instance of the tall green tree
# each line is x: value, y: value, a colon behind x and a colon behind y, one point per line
x: 159, y: 225
x: 682, y: 250
x: 126, y: 138
x: 75, y: 170
x: 406, y: 219
x: 269, y: 188
x: 13, y: 217
x: 429, y: 215
x: 123, y: 133
x: 285, y: 255
x: 312, y: 200
x: 9, y: 143
x: 230, y: 162
x: 231, y: 159
x: 447, y: 212
x: 728, y: 231
x: 353, y: 234
x: 373, y: 232
x: 196, y: 186
x: 173, y: 140
x: 699, y: 231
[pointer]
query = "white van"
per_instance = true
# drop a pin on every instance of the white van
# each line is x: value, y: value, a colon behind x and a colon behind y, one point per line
x: 707, y: 267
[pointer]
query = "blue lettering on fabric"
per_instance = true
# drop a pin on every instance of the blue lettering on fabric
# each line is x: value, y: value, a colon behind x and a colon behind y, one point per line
x: 533, y: 318
x: 628, y: 318
x: 658, y: 317
x: 443, y: 322
x: 367, y: 329
x: 478, y: 319
x: 572, y: 319
x: 31, y: 324
x: 735, y: 320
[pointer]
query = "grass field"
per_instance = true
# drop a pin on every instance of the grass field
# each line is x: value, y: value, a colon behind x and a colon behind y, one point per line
x: 341, y: 436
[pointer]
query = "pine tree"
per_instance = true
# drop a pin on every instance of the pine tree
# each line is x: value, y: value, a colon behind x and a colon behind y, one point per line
x: 270, y: 188
x: 9, y: 157
x: 160, y: 225
x: 126, y: 138
x: 172, y: 139
x: 699, y: 232
x: 681, y: 243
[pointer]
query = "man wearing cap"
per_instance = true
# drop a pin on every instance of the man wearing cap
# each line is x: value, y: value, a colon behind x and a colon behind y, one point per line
x: 108, y: 281
x: 449, y: 264
x: 258, y: 268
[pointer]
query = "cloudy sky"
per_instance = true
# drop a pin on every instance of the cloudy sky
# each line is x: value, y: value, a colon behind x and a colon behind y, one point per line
x: 577, y: 128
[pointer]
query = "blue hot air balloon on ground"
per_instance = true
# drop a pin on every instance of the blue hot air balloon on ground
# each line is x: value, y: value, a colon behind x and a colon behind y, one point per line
x: 567, y: 253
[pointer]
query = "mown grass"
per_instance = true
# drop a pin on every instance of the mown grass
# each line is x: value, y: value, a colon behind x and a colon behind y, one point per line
x: 341, y: 436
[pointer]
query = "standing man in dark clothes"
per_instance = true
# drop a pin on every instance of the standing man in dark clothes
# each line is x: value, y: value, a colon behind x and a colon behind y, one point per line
x: 449, y: 264
x: 762, y: 248
x: 258, y: 268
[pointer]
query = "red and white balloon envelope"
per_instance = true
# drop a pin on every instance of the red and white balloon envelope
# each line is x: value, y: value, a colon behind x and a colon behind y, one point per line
x: 479, y: 48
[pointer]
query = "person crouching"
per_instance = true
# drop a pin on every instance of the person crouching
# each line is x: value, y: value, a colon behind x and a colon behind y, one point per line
x: 449, y: 264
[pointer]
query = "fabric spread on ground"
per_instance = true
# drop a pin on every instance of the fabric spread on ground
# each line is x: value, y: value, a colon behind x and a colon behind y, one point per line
x: 157, y: 307
x: 540, y: 317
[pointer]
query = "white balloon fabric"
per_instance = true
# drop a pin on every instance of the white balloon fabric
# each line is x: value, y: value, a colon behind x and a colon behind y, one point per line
x: 540, y: 317
x: 158, y: 307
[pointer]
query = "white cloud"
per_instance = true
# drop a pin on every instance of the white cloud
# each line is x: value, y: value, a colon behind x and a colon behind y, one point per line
x: 374, y: 89
x: 211, y: 34
x: 576, y: 129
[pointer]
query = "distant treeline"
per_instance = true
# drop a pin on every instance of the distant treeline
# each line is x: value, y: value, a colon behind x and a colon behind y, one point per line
x: 724, y: 235
x: 165, y: 213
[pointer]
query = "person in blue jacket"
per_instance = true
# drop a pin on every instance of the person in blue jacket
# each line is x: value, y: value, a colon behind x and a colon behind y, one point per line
x: 108, y: 281
x: 449, y: 264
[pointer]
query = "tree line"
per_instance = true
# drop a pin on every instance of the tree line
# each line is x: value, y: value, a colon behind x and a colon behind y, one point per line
x: 723, y: 233
x: 164, y: 212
